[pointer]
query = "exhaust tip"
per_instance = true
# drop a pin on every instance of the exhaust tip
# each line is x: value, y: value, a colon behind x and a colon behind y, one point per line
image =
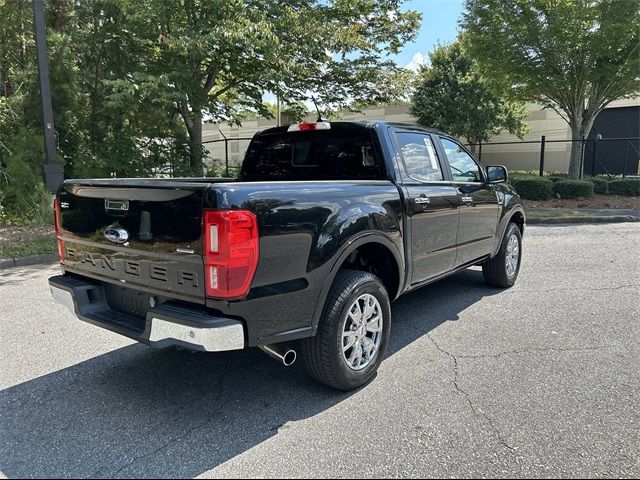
x: 289, y: 358
x: 286, y: 357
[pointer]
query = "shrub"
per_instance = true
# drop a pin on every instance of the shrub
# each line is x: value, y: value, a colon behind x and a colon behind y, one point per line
x: 599, y: 184
x: 34, y: 206
x: 528, y: 173
x: 573, y: 189
x: 218, y: 170
x: 42, y: 206
x: 533, y: 188
x: 557, y: 178
x: 23, y: 197
x: 625, y: 187
x: 515, y: 177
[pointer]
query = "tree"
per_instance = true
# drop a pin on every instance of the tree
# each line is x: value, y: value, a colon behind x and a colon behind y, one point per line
x: 573, y: 56
x: 21, y: 148
x: 293, y: 112
x: 133, y: 80
x: 289, y: 112
x: 129, y: 131
x: 89, y: 47
x: 451, y: 95
x: 213, y: 59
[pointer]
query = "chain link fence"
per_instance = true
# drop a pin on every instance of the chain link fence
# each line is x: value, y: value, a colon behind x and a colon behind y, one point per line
x: 225, y: 156
x: 599, y: 156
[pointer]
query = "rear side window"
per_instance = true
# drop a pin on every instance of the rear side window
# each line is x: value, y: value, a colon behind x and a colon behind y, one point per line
x: 314, y: 155
x: 420, y: 158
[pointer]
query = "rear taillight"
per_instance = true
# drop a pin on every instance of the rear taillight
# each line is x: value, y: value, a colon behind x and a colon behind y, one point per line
x: 57, y: 222
x: 230, y: 252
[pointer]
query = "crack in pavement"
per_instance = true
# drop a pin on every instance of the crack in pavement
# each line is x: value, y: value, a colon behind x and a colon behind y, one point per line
x: 535, y: 349
x: 456, y: 374
x: 632, y: 240
x: 476, y: 411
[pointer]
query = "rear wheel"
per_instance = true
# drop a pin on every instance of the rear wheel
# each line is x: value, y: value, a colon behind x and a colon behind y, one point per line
x: 502, y: 270
x: 353, y: 332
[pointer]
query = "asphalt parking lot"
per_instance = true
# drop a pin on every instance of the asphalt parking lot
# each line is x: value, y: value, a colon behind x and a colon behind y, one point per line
x: 538, y: 381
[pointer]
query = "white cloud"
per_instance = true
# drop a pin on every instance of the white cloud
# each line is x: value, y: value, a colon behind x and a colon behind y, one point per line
x: 416, y: 62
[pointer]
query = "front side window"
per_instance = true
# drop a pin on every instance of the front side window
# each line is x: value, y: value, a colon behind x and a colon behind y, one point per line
x: 420, y: 158
x: 463, y: 167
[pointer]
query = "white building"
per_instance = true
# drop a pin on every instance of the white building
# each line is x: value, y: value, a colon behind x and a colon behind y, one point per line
x: 620, y: 119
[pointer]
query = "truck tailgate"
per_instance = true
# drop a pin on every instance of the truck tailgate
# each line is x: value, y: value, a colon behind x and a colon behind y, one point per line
x: 144, y: 234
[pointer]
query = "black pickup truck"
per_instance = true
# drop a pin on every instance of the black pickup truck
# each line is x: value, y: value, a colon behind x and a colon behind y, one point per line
x: 325, y: 226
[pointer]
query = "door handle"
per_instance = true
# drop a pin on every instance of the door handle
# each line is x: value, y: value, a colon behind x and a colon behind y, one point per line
x: 467, y: 200
x: 422, y: 200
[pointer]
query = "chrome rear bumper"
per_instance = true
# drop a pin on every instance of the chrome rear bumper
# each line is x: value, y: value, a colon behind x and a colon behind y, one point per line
x: 165, y: 325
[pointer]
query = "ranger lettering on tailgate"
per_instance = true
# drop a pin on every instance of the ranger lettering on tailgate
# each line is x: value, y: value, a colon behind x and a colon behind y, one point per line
x: 122, y: 268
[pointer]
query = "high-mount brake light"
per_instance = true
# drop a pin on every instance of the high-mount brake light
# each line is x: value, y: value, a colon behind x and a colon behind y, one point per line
x: 230, y: 241
x: 305, y: 127
x: 57, y: 222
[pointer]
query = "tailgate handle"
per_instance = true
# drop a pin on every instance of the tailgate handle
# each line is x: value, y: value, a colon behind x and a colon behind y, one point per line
x: 116, y: 205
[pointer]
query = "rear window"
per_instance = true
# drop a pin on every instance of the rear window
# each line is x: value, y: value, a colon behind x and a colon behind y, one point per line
x: 313, y: 155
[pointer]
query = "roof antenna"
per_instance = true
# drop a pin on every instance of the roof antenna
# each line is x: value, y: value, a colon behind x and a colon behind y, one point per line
x: 320, y: 117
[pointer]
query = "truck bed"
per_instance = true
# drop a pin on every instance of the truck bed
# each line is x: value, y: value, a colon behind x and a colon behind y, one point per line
x: 303, y: 225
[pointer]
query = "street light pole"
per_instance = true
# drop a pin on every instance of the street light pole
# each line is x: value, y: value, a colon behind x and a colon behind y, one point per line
x: 53, y: 171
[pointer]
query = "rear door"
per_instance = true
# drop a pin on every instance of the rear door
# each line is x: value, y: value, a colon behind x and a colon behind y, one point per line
x: 432, y: 206
x: 478, y: 201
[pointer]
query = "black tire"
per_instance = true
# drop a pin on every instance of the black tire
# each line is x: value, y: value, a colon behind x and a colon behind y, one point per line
x: 323, y: 354
x: 495, y: 269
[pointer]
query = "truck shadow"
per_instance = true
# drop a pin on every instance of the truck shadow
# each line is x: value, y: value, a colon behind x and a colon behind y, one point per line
x: 140, y: 412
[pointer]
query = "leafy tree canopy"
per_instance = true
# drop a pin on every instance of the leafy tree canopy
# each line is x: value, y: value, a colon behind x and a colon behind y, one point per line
x: 133, y: 80
x: 216, y: 58
x: 289, y: 112
x: 573, y: 56
x: 452, y: 96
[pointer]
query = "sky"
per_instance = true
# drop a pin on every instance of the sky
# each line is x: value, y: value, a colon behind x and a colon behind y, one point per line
x: 439, y: 25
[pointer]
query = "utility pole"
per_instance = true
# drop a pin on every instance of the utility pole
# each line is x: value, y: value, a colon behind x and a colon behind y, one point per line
x: 53, y: 171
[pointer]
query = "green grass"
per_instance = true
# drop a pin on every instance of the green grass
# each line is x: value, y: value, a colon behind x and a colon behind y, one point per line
x: 34, y: 246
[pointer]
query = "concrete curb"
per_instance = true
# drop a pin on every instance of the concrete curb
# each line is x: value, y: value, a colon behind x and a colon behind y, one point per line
x: 42, y: 259
x: 584, y: 220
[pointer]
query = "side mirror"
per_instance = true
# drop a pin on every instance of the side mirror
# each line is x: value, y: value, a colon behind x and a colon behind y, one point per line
x: 497, y: 174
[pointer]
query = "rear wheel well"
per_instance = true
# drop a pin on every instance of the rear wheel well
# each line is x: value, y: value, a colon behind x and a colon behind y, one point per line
x: 378, y: 260
x: 518, y: 219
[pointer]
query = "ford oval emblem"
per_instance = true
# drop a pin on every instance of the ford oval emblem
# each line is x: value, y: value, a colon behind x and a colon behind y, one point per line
x: 116, y: 234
